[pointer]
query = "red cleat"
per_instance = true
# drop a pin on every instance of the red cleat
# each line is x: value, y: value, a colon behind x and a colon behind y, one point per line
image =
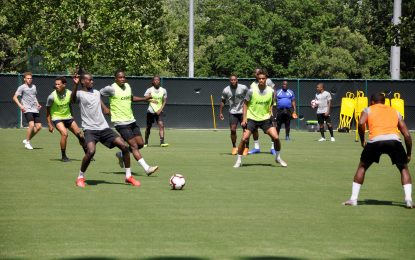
x: 132, y: 181
x: 80, y: 182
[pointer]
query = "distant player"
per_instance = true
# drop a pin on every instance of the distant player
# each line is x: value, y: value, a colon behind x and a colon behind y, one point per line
x: 96, y: 128
x: 121, y: 96
x: 323, y: 99
x: 234, y: 94
x: 257, y: 114
x: 59, y: 114
x: 30, y: 106
x: 383, y: 122
x: 155, y: 109
x: 286, y: 109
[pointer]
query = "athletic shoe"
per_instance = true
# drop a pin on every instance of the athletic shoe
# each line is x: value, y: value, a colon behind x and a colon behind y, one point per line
x: 27, y: 145
x: 350, y: 203
x: 409, y: 204
x: 322, y: 139
x: 332, y: 139
x: 164, y: 144
x: 65, y: 159
x: 253, y: 151
x: 145, y: 145
x: 234, y: 151
x: 120, y: 159
x: 132, y: 181
x: 245, y: 152
x: 281, y: 161
x: 287, y: 138
x: 151, y: 170
x: 237, y: 164
x: 80, y: 182
x: 272, y: 151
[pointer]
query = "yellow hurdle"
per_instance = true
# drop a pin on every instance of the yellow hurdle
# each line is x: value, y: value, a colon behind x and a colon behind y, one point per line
x: 361, y: 103
x: 346, y: 111
x: 398, y: 104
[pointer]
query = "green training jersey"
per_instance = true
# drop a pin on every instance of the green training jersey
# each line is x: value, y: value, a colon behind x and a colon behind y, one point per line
x: 120, y: 103
x: 259, y: 103
x: 60, y: 108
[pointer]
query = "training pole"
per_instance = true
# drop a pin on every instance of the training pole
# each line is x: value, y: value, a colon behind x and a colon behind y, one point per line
x: 213, y: 112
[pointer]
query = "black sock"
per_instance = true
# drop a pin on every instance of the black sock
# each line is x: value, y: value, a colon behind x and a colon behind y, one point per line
x: 63, y: 152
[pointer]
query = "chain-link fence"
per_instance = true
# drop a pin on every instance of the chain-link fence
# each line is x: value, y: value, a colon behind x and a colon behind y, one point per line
x: 189, y: 102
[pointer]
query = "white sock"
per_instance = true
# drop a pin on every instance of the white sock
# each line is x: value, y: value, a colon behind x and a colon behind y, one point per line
x: 408, y: 191
x: 143, y: 164
x: 277, y: 154
x: 355, y: 190
x: 81, y: 175
x: 127, y: 173
x: 272, y: 145
x: 256, y: 144
x: 239, y: 158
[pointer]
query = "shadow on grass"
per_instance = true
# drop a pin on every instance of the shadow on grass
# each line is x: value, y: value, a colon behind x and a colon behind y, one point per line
x: 271, y: 258
x: 258, y: 164
x: 98, y: 182
x: 123, y: 173
x: 381, y: 203
x: 71, y: 160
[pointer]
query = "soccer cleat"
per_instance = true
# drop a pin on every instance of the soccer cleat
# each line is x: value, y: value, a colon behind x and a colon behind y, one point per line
x: 287, y: 138
x: 246, y: 151
x: 80, y: 182
x: 332, y: 139
x: 151, y: 170
x: 253, y: 151
x: 234, y: 151
x: 65, y: 159
x: 409, y: 204
x: 145, y: 145
x: 132, y: 181
x: 120, y: 159
x: 164, y: 144
x: 322, y: 139
x: 27, y: 145
x: 237, y: 164
x: 350, y: 203
x: 272, y: 151
x: 281, y: 161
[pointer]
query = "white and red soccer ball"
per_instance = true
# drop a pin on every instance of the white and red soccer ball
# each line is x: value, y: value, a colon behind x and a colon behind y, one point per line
x: 314, y: 103
x: 177, y: 181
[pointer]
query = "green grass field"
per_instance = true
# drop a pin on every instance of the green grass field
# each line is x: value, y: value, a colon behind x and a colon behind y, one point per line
x: 259, y: 211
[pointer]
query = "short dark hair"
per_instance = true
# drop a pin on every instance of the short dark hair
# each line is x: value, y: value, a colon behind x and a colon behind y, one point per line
x: 61, y: 78
x: 378, y: 97
x: 118, y: 71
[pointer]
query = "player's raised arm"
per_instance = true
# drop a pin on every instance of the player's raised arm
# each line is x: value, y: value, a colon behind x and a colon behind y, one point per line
x: 75, y: 88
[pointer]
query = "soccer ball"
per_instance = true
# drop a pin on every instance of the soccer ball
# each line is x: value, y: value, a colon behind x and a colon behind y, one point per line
x: 314, y: 103
x: 177, y: 182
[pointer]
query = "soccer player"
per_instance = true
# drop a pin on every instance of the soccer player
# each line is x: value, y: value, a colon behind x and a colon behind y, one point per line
x: 257, y: 113
x: 96, y: 128
x: 59, y: 113
x: 383, y: 122
x: 155, y: 109
x: 285, y: 108
x: 234, y: 94
x: 120, y: 97
x: 30, y: 106
x: 323, y: 99
x: 255, y: 134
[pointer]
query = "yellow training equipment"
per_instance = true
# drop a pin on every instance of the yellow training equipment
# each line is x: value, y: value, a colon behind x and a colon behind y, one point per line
x: 361, y: 103
x: 398, y: 104
x: 347, y: 110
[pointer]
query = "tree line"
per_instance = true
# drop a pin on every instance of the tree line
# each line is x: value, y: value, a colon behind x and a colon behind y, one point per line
x: 290, y: 38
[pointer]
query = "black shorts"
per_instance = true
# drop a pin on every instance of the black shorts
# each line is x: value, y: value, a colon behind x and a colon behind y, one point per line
x: 105, y: 136
x: 153, y: 117
x: 32, y: 117
x: 283, y: 115
x: 254, y: 125
x: 321, y: 118
x: 234, y: 119
x: 372, y: 152
x: 66, y: 122
x: 129, y: 131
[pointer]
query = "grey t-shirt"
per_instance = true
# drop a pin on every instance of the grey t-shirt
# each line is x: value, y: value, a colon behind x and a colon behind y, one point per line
x: 235, y: 98
x: 323, y: 99
x: 109, y: 91
x: 29, y: 100
x: 91, y: 112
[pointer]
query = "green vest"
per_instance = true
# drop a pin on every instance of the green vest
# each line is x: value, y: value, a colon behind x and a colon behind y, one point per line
x: 159, y: 97
x: 120, y: 103
x: 60, y: 108
x: 259, y: 105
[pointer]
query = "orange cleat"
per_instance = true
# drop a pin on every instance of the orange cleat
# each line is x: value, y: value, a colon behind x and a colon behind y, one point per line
x: 80, y: 182
x: 234, y: 151
x: 132, y: 181
x: 246, y: 150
